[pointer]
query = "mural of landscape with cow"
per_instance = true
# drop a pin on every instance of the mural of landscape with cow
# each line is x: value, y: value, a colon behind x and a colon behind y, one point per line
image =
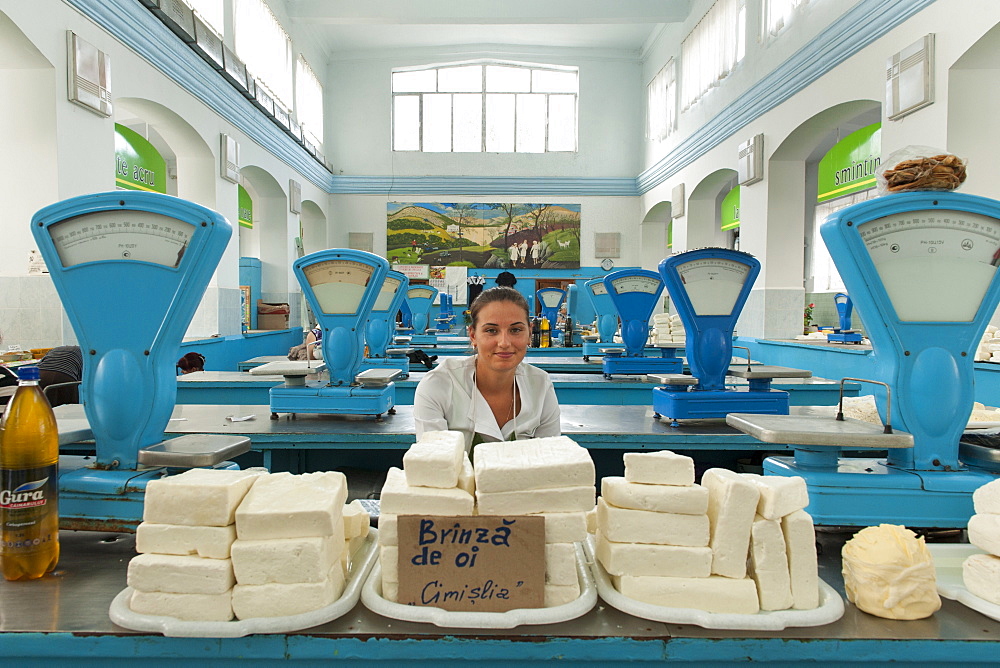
x: 484, y: 236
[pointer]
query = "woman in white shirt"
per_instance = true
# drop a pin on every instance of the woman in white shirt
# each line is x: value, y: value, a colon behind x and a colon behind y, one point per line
x: 492, y: 395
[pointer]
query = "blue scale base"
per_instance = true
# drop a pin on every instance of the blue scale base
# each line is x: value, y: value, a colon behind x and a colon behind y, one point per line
x: 684, y: 404
x: 343, y: 400
x: 843, y: 337
x: 616, y: 364
x: 866, y: 492
x: 401, y: 362
x: 424, y: 340
x: 104, y: 500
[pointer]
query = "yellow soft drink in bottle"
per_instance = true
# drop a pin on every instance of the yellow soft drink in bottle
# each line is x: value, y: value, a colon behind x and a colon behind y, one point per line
x: 29, y: 485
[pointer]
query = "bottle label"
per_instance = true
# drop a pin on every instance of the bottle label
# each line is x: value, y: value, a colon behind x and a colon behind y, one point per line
x: 27, y: 497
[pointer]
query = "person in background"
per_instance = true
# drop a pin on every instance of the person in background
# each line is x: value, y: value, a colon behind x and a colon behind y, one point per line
x: 191, y: 362
x: 314, y: 348
x: 63, y: 364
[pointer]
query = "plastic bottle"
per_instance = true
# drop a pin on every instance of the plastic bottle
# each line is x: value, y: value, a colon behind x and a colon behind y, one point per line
x: 545, y: 334
x: 568, y: 333
x: 29, y: 483
x: 536, y: 333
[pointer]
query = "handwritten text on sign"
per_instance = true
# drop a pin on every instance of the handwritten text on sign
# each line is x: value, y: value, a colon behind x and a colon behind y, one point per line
x: 472, y: 563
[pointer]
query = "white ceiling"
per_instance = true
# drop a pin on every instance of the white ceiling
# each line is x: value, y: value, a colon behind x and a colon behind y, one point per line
x: 348, y: 26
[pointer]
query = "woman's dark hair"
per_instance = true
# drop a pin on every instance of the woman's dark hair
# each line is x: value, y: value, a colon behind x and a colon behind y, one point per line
x: 497, y: 294
x: 191, y: 362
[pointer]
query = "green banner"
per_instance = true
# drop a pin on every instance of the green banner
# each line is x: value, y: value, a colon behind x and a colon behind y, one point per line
x: 245, y: 207
x: 670, y: 234
x: 138, y: 165
x: 849, y: 166
x: 730, y: 214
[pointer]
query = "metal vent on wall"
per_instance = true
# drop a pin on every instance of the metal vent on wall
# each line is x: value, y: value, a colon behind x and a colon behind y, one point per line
x: 362, y: 241
x: 750, y: 163
x: 89, y: 74
x: 294, y: 196
x: 607, y: 244
x: 909, y: 78
x: 229, y: 156
x: 677, y: 201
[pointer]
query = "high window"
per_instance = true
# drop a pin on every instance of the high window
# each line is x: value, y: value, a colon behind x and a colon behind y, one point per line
x: 485, y: 107
x: 776, y: 14
x: 211, y: 12
x: 712, y: 49
x: 661, y: 103
x: 265, y: 47
x: 309, y: 100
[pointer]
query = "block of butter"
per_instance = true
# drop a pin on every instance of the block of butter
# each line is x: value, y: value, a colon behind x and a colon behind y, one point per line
x: 197, y: 497
x: 204, y: 541
x: 685, y: 500
x: 538, y: 463
x: 435, y: 460
x: 399, y: 498
x: 180, y: 575
x: 283, y: 505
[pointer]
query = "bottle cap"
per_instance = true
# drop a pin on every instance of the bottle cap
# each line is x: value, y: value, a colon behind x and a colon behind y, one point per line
x: 28, y: 373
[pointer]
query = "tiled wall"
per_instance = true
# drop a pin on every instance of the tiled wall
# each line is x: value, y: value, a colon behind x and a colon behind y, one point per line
x: 31, y: 314
x: 218, y: 315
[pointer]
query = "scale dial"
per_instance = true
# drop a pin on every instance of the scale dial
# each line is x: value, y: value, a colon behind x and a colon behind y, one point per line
x: 339, y: 285
x: 598, y: 289
x: 713, y: 284
x: 389, y: 288
x: 636, y: 284
x: 420, y: 293
x: 136, y: 236
x: 551, y: 299
x: 936, y: 266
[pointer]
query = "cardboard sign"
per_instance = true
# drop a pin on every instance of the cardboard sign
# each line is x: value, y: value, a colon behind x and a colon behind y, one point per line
x: 477, y: 563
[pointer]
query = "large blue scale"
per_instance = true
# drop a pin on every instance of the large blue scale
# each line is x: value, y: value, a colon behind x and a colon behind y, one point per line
x: 342, y: 286
x: 635, y: 294
x: 382, y: 325
x: 131, y: 269
x: 607, y: 319
x: 709, y: 288
x: 922, y: 267
x: 843, y: 333
x: 419, y: 299
x: 550, y: 299
x: 446, y: 315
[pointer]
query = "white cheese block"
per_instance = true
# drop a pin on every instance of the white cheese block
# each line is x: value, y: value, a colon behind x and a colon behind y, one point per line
x: 560, y: 564
x: 387, y: 529
x: 732, y: 505
x: 592, y: 520
x: 286, y: 560
x: 180, y: 575
x: 281, y: 600
x: 689, y: 500
x: 390, y: 591
x: 204, y: 541
x: 981, y: 575
x: 565, y: 527
x: 388, y: 556
x: 346, y: 556
x: 357, y: 521
x: 561, y: 594
x: 623, y: 525
x: 400, y: 498
x: 779, y: 496
x: 984, y: 532
x: 467, y: 476
x: 663, y: 560
x: 435, y: 460
x: 538, y: 463
x: 712, y: 594
x: 769, y: 565
x: 986, y: 499
x: 197, y: 497
x: 186, y: 607
x: 283, y: 505
x: 533, y: 501
x: 803, y: 569
x: 659, y: 468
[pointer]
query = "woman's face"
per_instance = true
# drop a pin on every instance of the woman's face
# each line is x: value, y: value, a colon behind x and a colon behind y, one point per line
x: 501, y: 335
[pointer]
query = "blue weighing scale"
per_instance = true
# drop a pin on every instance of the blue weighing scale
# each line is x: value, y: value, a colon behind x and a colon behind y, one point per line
x: 709, y: 287
x: 446, y: 314
x: 607, y: 320
x: 131, y: 269
x: 382, y: 324
x: 550, y: 299
x: 420, y: 298
x: 922, y: 266
x: 342, y: 286
x: 635, y: 294
x: 406, y: 317
x: 844, y: 333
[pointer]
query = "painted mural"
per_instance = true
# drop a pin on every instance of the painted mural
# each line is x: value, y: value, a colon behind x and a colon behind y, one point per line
x: 484, y: 236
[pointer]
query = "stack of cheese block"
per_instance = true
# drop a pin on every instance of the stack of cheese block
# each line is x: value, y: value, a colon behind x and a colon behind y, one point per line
x: 436, y: 479
x: 551, y: 477
x: 737, y: 543
x: 989, y: 345
x: 215, y: 543
x: 668, y: 330
x: 863, y: 408
x: 981, y: 572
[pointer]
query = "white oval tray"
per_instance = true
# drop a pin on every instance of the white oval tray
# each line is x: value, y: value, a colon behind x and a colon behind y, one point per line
x: 831, y: 608
x: 948, y: 560
x: 371, y: 596
x: 365, y: 558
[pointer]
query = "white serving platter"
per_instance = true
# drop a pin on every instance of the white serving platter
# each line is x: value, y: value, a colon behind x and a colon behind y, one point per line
x: 948, y: 560
x: 362, y: 563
